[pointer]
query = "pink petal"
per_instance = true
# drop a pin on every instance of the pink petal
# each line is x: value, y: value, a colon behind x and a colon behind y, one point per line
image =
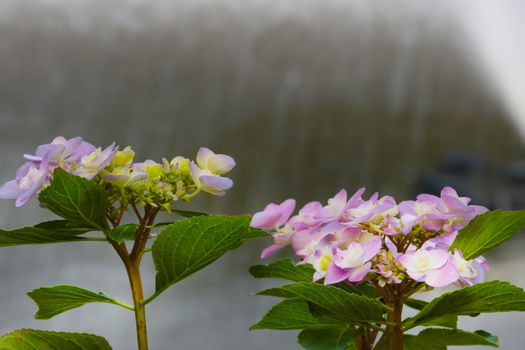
x: 372, y: 248
x: 443, y: 276
x: 270, y: 250
x: 216, y: 184
x: 9, y: 190
x: 356, y: 199
x: 336, y: 274
x: 286, y: 208
x: 268, y: 218
x: 359, y: 273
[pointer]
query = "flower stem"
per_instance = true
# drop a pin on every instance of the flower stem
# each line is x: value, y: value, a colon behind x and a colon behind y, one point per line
x: 131, y: 261
x: 394, y: 332
x: 138, y: 303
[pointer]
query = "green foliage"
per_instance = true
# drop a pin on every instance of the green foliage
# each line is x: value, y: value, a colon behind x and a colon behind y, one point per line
x: 63, y: 226
x: 286, y: 269
x: 52, y: 301
x: 47, y: 232
x: 29, y: 339
x: 493, y: 296
x: 276, y: 292
x: 487, y: 231
x: 360, y: 289
x: 312, y: 305
x: 254, y: 233
x: 328, y: 339
x: 439, y: 338
x: 123, y: 233
x: 188, y: 213
x: 76, y: 199
x: 447, y: 321
x: 191, y: 244
x: 351, y: 307
x: 294, y: 314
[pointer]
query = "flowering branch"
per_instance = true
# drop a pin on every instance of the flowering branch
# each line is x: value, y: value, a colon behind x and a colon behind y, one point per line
x: 91, y: 189
x: 384, y: 252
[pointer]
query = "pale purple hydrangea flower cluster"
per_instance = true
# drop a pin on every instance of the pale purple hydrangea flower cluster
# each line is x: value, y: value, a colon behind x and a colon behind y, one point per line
x: 116, y: 168
x: 376, y: 239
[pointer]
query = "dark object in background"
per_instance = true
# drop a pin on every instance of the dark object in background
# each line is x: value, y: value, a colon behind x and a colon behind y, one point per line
x: 511, y: 195
x: 465, y: 172
x: 473, y: 176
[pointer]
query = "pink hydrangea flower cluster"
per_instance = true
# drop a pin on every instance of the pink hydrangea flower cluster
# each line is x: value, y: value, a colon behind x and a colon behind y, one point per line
x: 377, y: 239
x: 171, y: 179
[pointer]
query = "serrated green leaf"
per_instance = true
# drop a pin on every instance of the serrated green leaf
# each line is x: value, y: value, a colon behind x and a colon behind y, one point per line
x: 123, y: 233
x: 284, y: 268
x: 191, y: 244
x: 441, y: 338
x: 492, y: 296
x: 361, y: 289
x: 487, y: 231
x: 294, y: 314
x: 76, y: 199
x: 327, y: 339
x: 29, y: 339
x: 447, y: 321
x: 55, y: 300
x: 352, y: 307
x: 47, y: 232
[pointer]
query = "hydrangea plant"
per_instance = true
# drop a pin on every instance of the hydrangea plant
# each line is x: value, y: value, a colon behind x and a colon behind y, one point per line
x: 361, y: 261
x: 91, y: 189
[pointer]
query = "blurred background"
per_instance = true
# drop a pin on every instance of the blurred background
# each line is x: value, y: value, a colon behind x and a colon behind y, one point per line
x: 308, y: 96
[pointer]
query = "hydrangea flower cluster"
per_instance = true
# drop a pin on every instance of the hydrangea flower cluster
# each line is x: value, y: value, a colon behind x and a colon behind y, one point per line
x: 377, y: 239
x: 145, y: 183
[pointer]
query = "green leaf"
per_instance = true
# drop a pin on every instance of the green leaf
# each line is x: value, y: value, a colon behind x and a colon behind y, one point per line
x: 276, y: 292
x: 188, y: 213
x: 447, y: 321
x: 46, y: 232
x: 123, y: 233
x: 493, y: 296
x: 487, y: 231
x: 284, y: 268
x: 52, y: 301
x: 410, y: 343
x: 352, y: 307
x: 75, y: 199
x: 191, y: 244
x: 327, y: 339
x: 415, y: 303
x: 490, y: 337
x: 441, y: 338
x: 361, y: 289
x: 255, y: 233
x: 64, y: 226
x: 29, y: 339
x: 294, y: 314
x: 288, y: 269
